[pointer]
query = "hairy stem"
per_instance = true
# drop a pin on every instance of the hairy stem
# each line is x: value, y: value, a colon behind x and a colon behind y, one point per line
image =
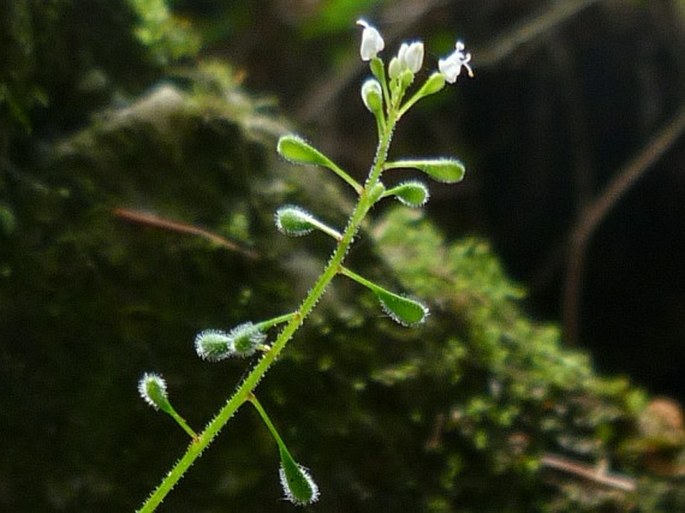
x: 249, y: 384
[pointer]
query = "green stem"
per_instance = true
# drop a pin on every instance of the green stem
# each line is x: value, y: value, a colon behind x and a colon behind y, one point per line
x: 331, y: 232
x: 267, y: 421
x: 265, y: 325
x: 245, y: 389
x: 347, y: 178
x: 182, y: 422
x: 359, y: 279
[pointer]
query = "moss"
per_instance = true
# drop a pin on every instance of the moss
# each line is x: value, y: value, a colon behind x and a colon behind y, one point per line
x: 168, y: 36
x: 60, y: 60
x: 518, y: 393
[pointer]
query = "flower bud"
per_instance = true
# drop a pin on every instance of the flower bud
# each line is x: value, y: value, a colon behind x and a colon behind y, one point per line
x: 394, y: 68
x: 412, y: 56
x: 409, y: 58
x: 372, y: 96
x: 406, y: 78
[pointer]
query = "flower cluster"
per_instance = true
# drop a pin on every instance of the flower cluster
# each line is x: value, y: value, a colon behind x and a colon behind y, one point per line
x: 410, y: 55
x: 401, y: 71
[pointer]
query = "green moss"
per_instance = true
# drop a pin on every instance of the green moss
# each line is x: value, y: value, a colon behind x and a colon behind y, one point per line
x: 518, y: 392
x: 168, y: 37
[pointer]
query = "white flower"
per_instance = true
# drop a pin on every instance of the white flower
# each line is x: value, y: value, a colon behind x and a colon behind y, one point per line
x: 409, y: 57
x: 450, y: 67
x: 372, y: 42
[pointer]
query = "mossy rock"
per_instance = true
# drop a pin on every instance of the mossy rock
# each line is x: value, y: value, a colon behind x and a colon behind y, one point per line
x: 454, y: 415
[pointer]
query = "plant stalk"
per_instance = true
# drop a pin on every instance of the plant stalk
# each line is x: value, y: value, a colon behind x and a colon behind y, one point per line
x: 249, y: 384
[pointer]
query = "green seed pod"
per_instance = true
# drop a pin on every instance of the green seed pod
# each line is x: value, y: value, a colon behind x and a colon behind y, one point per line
x: 394, y: 68
x: 294, y: 221
x: 152, y: 388
x: 298, y: 151
x: 213, y: 345
x: 401, y: 309
x: 297, y: 483
x: 434, y: 84
x: 412, y: 194
x: 443, y: 170
x: 246, y: 339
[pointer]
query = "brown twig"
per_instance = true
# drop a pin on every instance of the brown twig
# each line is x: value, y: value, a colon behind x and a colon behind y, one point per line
x: 136, y: 216
x: 596, y: 211
x: 596, y: 474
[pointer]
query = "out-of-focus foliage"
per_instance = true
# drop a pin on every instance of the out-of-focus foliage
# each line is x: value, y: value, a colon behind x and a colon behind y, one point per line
x: 168, y: 36
x: 60, y: 59
x: 18, y: 92
x: 333, y: 16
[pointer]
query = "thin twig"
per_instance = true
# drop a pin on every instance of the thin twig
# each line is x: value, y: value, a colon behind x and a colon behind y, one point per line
x: 531, y: 29
x: 136, y: 216
x: 596, y: 474
x: 323, y: 93
x: 595, y: 212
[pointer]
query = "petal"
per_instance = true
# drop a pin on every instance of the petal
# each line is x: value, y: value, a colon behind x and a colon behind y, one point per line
x: 372, y: 41
x: 414, y: 56
x: 449, y: 69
